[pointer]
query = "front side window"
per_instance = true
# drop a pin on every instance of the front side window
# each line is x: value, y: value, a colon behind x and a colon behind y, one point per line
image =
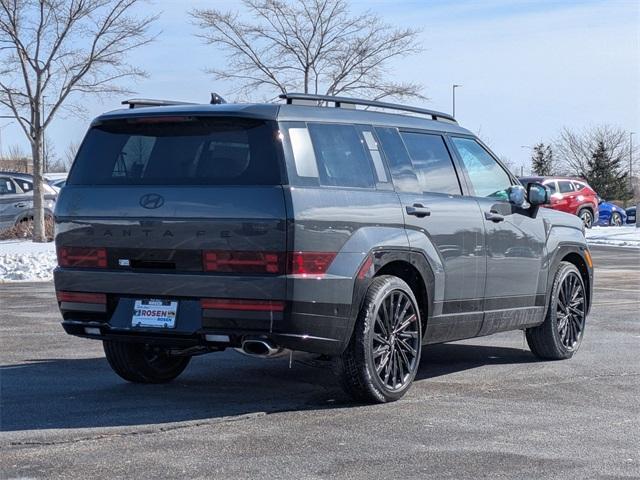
x: 432, y: 163
x: 487, y: 177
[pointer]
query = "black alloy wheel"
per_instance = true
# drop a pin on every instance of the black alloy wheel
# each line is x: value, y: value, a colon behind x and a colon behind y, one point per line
x: 570, y: 311
x: 395, y: 340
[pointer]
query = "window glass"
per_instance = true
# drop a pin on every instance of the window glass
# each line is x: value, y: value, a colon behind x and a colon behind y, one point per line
x: 551, y: 185
x: 6, y: 186
x: 303, y: 154
x: 199, y: 151
x: 578, y: 186
x: 487, y: 177
x: 565, y: 186
x: 342, y: 159
x: 404, y: 178
x: 25, y: 185
x: 432, y: 163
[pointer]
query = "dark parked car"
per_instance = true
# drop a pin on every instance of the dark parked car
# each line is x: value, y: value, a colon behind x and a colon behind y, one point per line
x: 631, y: 215
x: 570, y: 195
x: 16, y: 199
x: 360, y: 235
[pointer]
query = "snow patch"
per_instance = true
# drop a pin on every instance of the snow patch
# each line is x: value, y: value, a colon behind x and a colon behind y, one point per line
x: 26, y: 261
x: 624, y: 236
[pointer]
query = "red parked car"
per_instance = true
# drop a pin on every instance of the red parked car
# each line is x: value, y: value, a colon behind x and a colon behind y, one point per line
x: 571, y: 195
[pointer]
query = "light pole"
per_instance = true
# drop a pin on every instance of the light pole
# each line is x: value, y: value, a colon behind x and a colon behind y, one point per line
x: 453, y: 89
x: 631, y: 134
x: 530, y: 149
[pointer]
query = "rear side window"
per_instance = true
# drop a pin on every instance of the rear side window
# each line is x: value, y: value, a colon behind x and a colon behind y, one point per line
x: 432, y: 163
x: 565, y: 187
x: 341, y: 157
x: 552, y: 186
x: 404, y: 178
x: 178, y: 151
x: 6, y: 186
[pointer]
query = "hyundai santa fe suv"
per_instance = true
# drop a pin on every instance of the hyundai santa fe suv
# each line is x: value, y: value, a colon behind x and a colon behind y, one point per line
x: 311, y: 225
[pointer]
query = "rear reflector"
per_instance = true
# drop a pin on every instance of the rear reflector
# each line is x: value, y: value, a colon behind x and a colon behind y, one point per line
x: 217, y: 338
x: 310, y: 263
x: 82, y: 257
x: 243, y: 262
x: 246, y: 305
x: 92, y: 331
x: 81, y: 297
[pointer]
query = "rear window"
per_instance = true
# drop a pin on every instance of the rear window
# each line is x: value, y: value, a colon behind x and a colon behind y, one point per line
x: 178, y: 151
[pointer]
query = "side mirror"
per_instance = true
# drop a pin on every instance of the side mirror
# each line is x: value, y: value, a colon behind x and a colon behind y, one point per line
x: 517, y: 195
x: 538, y: 194
x: 600, y: 201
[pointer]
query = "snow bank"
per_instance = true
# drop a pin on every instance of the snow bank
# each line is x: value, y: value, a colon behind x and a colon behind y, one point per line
x: 24, y: 261
x: 624, y: 236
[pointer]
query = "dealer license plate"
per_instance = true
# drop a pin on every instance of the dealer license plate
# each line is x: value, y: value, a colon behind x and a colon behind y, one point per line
x: 154, y: 313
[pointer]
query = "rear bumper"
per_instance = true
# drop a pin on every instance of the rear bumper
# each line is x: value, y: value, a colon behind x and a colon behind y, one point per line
x: 310, y: 326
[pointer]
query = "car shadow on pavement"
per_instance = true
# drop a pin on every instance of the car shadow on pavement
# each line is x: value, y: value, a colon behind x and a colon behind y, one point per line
x: 85, y: 393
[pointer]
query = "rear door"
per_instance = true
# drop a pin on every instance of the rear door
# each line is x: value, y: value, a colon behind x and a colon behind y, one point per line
x: 438, y: 215
x: 515, y: 242
x: 180, y: 195
x: 12, y: 202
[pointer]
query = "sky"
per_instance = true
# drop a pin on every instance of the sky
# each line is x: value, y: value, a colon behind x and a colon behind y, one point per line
x: 527, y: 69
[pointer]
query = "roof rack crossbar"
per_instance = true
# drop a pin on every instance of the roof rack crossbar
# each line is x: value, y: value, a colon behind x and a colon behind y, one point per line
x: 150, y: 102
x: 344, y: 101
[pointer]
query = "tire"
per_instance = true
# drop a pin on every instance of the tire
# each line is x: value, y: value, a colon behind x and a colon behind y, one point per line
x: 587, y: 217
x: 140, y: 363
x: 560, y: 336
x: 615, y: 220
x: 383, y: 355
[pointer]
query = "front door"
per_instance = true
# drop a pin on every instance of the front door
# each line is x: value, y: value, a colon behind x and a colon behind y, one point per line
x: 442, y: 223
x: 515, y: 243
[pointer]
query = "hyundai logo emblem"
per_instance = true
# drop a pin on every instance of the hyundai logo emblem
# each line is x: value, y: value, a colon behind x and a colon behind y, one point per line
x: 151, y: 200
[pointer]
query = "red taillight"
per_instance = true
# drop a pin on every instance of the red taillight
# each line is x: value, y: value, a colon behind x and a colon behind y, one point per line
x: 243, y: 262
x: 82, y: 257
x: 310, y: 263
x: 82, y: 297
x: 247, y: 305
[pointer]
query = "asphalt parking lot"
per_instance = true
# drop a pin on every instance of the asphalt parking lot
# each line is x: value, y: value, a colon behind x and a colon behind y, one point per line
x: 483, y: 408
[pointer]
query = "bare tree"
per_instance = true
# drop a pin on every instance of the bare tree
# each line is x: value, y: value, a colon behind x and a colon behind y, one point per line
x: 70, y: 154
x: 575, y: 149
x: 53, y: 50
x: 314, y: 46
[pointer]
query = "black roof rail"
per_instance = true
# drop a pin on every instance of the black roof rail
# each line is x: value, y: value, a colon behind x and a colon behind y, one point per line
x: 150, y: 102
x: 352, y: 102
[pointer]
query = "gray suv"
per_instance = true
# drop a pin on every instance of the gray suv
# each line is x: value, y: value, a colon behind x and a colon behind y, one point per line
x: 16, y: 199
x: 312, y: 225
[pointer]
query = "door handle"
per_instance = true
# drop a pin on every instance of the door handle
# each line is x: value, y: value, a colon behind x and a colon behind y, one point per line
x: 20, y: 205
x: 418, y: 210
x: 494, y: 216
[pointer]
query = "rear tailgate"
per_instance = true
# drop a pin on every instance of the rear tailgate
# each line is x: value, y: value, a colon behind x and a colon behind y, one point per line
x: 182, y: 206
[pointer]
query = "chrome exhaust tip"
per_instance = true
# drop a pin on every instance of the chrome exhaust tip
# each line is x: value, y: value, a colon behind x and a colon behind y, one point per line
x: 260, y: 348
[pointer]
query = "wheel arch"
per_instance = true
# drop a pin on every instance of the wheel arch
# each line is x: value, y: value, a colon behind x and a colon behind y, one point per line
x: 576, y: 255
x: 405, y: 263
